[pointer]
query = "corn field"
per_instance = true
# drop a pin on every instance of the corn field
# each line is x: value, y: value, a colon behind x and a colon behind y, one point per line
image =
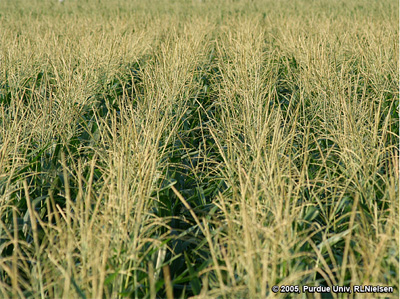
x: 203, y: 149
